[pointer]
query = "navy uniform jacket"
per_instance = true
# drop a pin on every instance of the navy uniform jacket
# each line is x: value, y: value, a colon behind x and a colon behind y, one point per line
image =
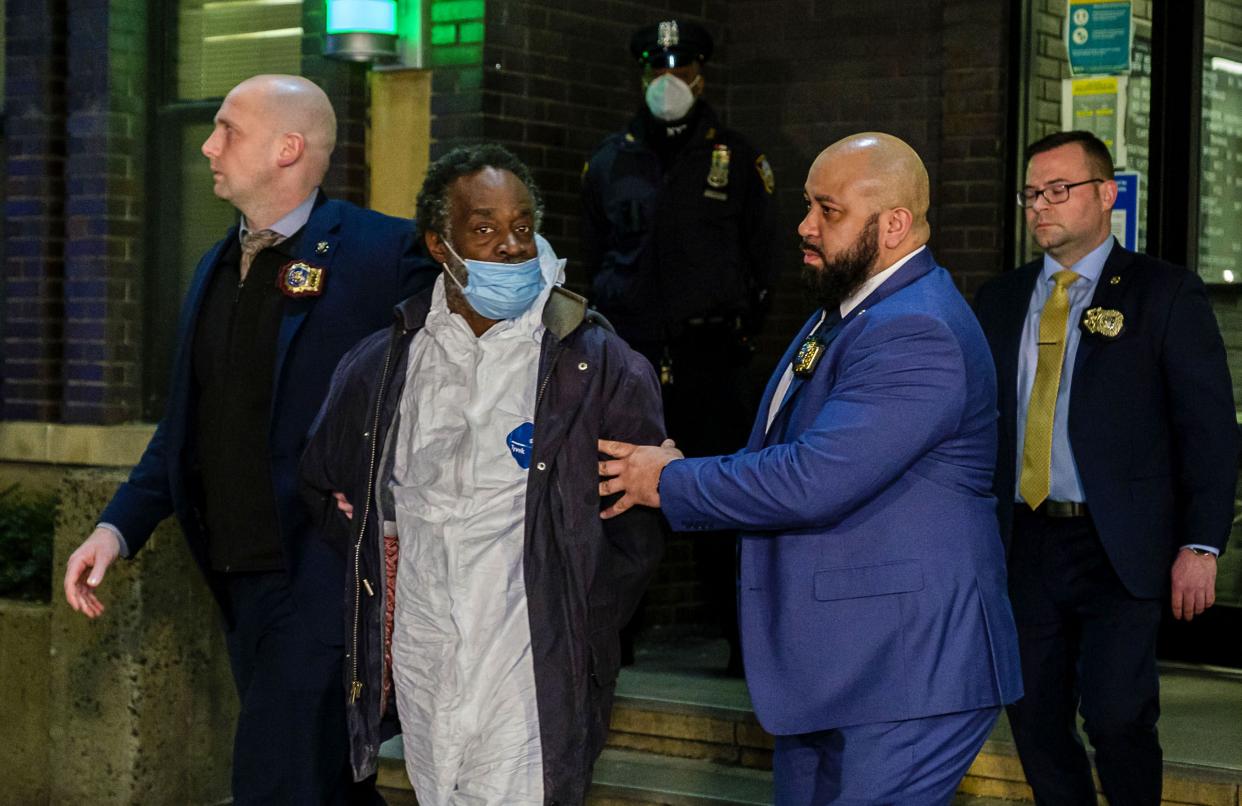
x: 371, y: 262
x: 665, y: 248
x: 1151, y: 415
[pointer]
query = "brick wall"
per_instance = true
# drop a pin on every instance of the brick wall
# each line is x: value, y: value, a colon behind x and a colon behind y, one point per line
x: 346, y: 84
x: 804, y: 74
x: 971, y: 196
x: 557, y: 78
x: 104, y: 209
x: 455, y: 55
x: 34, y: 134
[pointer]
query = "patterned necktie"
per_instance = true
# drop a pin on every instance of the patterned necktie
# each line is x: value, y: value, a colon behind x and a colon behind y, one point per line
x: 1037, y: 445
x: 252, y: 244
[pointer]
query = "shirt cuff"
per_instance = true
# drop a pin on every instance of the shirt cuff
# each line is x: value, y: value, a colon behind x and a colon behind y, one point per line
x: 1215, y: 552
x: 120, y: 538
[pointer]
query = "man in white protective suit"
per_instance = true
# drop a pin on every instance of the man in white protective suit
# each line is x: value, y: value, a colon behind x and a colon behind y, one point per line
x: 455, y: 464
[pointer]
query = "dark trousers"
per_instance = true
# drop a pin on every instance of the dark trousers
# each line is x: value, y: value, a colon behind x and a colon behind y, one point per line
x: 707, y: 411
x: 915, y: 762
x: 291, y: 745
x: 1087, y: 644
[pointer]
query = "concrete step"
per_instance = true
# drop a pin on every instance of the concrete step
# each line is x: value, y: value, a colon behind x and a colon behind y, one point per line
x: 624, y: 777
x: 689, y: 737
x: 697, y: 716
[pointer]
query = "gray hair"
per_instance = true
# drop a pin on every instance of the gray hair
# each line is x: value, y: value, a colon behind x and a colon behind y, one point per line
x: 432, y: 208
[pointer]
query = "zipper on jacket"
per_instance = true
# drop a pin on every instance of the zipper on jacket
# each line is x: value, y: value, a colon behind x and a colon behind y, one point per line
x: 355, y: 685
x: 556, y: 353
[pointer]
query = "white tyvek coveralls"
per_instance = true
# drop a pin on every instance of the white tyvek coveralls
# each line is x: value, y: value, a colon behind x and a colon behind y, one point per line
x: 461, y: 651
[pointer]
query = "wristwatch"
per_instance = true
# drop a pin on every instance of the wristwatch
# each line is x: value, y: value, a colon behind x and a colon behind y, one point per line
x: 1201, y: 552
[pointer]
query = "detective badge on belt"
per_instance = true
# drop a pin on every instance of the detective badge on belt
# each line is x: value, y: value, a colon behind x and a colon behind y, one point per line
x: 298, y: 279
x: 718, y: 174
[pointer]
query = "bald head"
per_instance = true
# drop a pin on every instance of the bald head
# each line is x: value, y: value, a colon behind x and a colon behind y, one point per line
x: 885, y: 171
x: 866, y: 209
x: 270, y: 145
x: 298, y: 106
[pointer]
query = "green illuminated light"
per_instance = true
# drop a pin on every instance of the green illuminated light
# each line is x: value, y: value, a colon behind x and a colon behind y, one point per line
x: 457, y: 10
x: 443, y: 34
x: 471, y: 32
x: 456, y: 55
x: 362, y: 16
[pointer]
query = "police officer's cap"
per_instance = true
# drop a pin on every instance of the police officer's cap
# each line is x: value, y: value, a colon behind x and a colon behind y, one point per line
x: 671, y: 43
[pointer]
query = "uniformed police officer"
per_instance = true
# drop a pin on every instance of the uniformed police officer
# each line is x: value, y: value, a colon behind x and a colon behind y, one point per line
x: 678, y: 238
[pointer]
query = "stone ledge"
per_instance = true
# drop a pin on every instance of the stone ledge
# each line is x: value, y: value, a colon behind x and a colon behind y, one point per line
x: 56, y: 444
x: 25, y: 630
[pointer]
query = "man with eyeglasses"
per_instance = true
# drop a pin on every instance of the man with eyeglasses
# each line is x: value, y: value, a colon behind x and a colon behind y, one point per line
x: 1115, y: 475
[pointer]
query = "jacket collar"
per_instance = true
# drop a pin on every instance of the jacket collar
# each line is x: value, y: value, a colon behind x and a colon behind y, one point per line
x: 1109, y: 291
x: 911, y: 271
x: 562, y: 313
x: 706, y: 125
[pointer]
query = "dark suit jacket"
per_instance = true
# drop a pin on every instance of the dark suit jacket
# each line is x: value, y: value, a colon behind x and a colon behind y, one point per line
x: 1151, y: 419
x: 371, y: 262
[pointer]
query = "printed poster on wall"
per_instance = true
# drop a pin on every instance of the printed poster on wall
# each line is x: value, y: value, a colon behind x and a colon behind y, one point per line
x: 1097, y: 36
x: 1126, y: 209
x: 1097, y: 105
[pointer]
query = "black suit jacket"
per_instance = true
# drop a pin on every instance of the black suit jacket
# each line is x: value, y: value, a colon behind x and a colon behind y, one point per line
x: 1151, y: 420
x: 370, y: 262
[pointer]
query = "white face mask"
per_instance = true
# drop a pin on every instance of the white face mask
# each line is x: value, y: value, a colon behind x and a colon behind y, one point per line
x: 669, y: 98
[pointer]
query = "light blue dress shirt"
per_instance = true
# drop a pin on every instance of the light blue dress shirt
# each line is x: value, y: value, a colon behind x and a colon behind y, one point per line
x: 290, y: 223
x: 1064, y: 483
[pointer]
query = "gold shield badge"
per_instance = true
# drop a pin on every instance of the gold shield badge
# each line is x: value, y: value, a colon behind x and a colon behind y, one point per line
x: 807, y: 357
x: 765, y: 174
x: 1104, y: 322
x: 718, y: 176
x: 298, y: 279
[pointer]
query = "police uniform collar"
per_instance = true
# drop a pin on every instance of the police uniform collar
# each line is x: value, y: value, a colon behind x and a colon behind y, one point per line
x: 645, y: 128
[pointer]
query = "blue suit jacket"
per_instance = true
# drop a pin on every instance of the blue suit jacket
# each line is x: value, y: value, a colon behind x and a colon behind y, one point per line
x: 872, y: 575
x: 1151, y: 414
x: 371, y: 263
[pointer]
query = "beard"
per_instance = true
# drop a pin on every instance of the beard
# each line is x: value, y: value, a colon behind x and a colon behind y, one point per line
x: 845, y: 272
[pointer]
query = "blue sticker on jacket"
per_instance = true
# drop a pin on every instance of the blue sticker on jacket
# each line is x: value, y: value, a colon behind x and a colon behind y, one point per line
x: 521, y: 444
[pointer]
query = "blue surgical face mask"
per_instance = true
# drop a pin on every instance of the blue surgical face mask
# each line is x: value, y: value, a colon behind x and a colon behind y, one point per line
x: 498, y: 290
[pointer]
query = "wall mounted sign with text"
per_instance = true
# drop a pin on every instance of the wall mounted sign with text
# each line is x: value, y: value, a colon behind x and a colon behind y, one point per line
x: 1097, y: 36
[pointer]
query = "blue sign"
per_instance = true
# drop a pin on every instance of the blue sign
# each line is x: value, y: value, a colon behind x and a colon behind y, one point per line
x: 1098, y: 36
x: 1126, y: 209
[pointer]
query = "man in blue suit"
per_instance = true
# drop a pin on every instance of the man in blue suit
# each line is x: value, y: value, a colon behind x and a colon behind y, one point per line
x: 1116, y: 474
x: 272, y: 308
x: 876, y: 631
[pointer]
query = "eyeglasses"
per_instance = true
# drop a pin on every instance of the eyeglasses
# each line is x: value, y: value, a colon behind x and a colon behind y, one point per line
x: 1053, y: 194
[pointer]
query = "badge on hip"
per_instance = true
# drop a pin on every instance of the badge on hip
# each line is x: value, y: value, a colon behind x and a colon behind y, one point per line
x: 522, y: 444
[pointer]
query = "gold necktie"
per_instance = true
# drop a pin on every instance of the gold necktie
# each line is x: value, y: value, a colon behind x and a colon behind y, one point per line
x: 1037, y: 444
x: 252, y: 244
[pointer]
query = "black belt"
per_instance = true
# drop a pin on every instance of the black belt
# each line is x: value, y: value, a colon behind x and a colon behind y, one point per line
x: 702, y: 321
x: 1057, y: 509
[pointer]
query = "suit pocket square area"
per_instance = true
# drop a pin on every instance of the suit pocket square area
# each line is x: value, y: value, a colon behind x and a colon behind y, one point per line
x: 859, y: 581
